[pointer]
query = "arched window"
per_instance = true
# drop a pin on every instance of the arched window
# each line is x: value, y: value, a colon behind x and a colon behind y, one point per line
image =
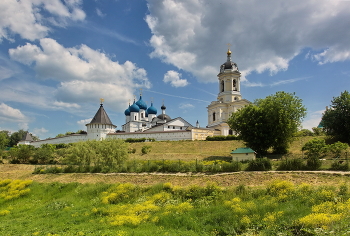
x: 222, y: 86
x: 234, y: 85
x: 213, y: 116
x: 141, y: 115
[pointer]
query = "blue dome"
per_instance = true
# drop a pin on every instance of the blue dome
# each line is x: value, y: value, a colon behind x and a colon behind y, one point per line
x: 152, y: 110
x: 141, y: 104
x: 127, y: 111
x: 134, y: 108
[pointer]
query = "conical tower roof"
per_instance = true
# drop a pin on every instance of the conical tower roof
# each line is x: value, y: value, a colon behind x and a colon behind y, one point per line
x: 101, y: 117
x: 27, y: 137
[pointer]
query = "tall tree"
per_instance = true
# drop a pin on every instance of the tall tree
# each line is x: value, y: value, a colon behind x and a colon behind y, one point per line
x: 336, y: 119
x: 269, y: 122
x: 4, y: 139
x: 16, y: 137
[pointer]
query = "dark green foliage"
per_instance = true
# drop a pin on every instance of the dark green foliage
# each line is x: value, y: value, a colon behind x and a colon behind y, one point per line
x: 4, y: 139
x: 313, y: 163
x: 139, y: 140
x: 222, y: 138
x: 259, y: 164
x: 269, y: 123
x: 21, y: 153
x: 291, y: 164
x: 16, y: 137
x: 336, y: 120
x: 146, y: 149
x: 340, y: 165
x: 315, y: 147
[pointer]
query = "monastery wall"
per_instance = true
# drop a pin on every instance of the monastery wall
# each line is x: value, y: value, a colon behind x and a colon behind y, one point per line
x: 158, y: 136
x: 73, y: 138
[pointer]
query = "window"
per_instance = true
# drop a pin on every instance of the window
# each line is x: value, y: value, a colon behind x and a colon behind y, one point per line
x: 180, y: 127
x: 141, y: 115
x: 168, y: 127
x: 222, y: 86
x: 213, y: 116
x: 135, y: 118
x: 173, y: 127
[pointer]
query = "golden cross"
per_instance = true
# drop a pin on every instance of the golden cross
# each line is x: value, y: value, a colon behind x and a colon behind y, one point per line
x: 229, y: 45
x: 102, y: 100
x: 140, y: 91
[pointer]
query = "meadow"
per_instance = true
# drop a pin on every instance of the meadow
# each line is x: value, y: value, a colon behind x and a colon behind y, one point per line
x: 278, y: 207
x: 235, y: 203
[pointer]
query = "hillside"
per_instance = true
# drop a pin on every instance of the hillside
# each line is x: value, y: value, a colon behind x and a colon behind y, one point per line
x: 191, y: 150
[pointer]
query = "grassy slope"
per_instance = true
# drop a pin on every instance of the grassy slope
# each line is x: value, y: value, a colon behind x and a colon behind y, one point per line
x: 190, y: 150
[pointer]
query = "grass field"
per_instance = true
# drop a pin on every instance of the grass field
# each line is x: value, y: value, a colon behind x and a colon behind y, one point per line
x: 240, y: 203
x: 276, y: 208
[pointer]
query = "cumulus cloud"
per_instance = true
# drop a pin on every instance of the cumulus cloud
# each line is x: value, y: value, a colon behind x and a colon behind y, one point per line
x: 39, y: 132
x: 10, y: 114
x: 174, y: 78
x: 29, y: 18
x: 265, y: 35
x: 84, y: 74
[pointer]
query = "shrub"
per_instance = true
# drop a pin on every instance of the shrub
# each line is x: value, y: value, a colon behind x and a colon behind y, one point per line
x: 221, y: 138
x: 313, y: 163
x: 259, y: 164
x: 291, y: 164
x: 135, y: 140
x: 146, y: 149
x: 338, y: 165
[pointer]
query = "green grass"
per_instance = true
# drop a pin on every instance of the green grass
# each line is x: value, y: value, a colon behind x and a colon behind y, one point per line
x: 163, y: 209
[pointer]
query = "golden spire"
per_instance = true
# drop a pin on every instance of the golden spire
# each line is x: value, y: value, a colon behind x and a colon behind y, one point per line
x: 102, y: 100
x: 229, y: 51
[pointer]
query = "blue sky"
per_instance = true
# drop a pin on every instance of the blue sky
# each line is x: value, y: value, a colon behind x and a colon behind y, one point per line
x: 59, y: 57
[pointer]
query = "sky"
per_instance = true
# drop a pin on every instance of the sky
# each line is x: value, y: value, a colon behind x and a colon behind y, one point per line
x: 59, y: 57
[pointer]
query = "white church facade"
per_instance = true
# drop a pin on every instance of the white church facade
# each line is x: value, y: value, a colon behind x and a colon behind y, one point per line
x: 142, y: 121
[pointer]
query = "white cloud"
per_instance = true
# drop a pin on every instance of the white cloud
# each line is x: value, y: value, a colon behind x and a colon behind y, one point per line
x: 265, y: 35
x: 10, y: 114
x: 39, y: 132
x: 84, y: 74
x: 99, y: 13
x: 82, y: 123
x: 27, y: 18
x: 313, y: 120
x: 186, y: 106
x: 174, y: 78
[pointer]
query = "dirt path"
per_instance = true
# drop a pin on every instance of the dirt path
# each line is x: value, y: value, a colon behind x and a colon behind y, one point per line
x: 11, y: 171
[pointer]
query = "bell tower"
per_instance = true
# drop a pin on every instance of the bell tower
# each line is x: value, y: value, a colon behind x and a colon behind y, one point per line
x: 229, y: 81
x: 229, y: 98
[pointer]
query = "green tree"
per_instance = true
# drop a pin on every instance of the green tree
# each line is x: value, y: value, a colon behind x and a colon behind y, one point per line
x: 21, y: 153
x: 16, y: 137
x: 270, y: 122
x: 44, y: 154
x: 4, y: 139
x: 318, y: 131
x: 106, y: 153
x: 315, y: 148
x: 336, y: 120
x: 337, y: 148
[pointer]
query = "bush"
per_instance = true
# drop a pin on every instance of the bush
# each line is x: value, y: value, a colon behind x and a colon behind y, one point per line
x: 291, y: 164
x: 146, y: 149
x: 259, y: 164
x: 338, y: 165
x: 221, y: 138
x: 313, y: 163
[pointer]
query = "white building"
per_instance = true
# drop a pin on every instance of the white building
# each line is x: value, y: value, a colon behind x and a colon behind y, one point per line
x: 229, y: 99
x: 143, y: 122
